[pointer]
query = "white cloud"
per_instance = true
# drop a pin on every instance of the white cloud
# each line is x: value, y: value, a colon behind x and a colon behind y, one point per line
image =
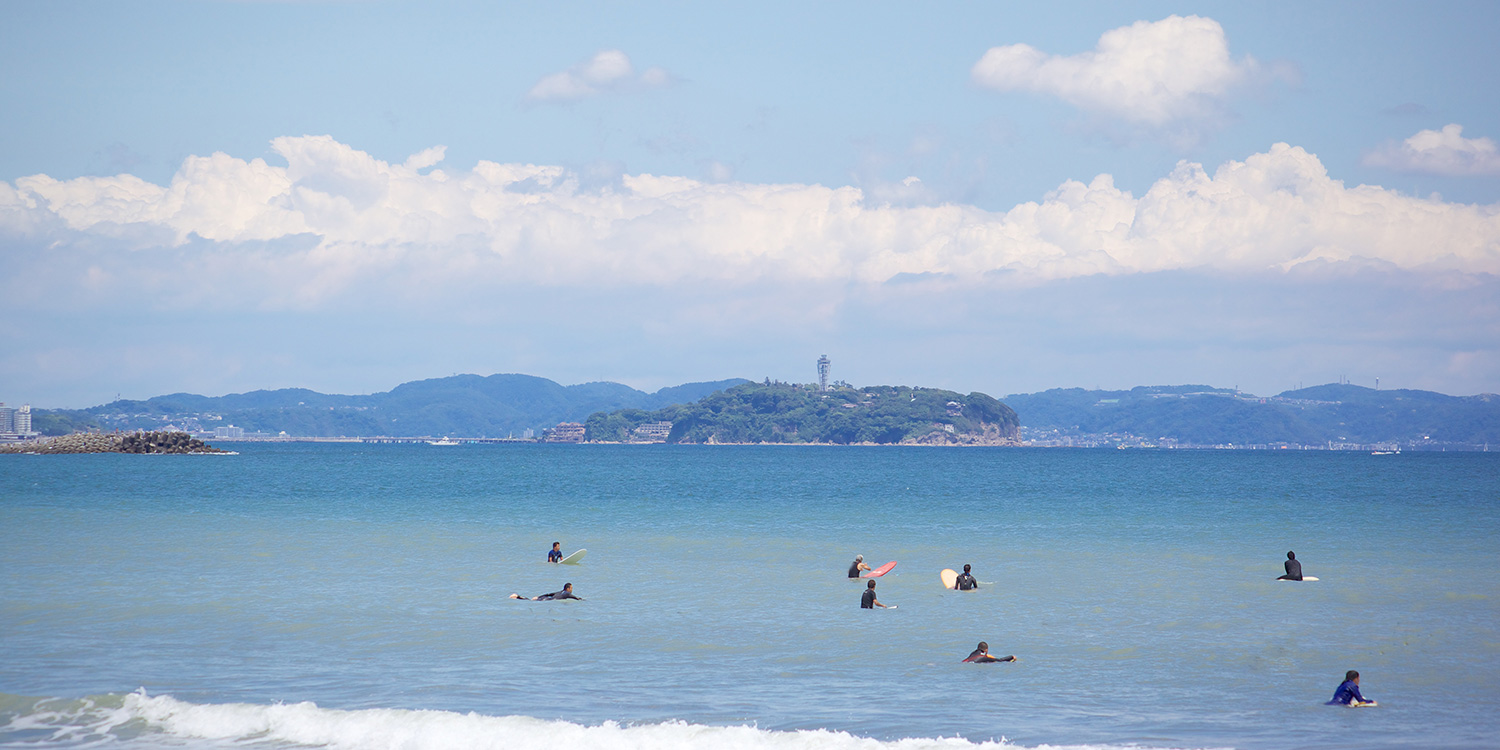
x: 1149, y: 72
x: 1445, y: 152
x: 609, y: 70
x: 343, y: 221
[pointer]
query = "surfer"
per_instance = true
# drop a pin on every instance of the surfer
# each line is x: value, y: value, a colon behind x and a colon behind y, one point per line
x: 981, y: 655
x: 965, y: 582
x: 1348, y: 692
x: 867, y: 600
x: 857, y: 566
x: 566, y: 593
x: 1293, y: 568
x: 556, y: 554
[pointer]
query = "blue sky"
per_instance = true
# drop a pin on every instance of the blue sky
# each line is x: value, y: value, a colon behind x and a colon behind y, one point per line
x: 217, y: 197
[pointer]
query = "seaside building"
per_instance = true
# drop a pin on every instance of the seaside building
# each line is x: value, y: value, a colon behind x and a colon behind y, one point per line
x: 566, y: 432
x: 823, y: 365
x: 229, y: 431
x: 7, y: 420
x: 654, y: 432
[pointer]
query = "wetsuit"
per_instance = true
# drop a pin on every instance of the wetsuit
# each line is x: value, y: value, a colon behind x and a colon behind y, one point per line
x: 565, y: 594
x: 554, y: 555
x: 867, y: 599
x: 1293, y: 571
x: 854, y: 568
x: 1347, y: 693
x: 965, y: 582
x: 980, y: 657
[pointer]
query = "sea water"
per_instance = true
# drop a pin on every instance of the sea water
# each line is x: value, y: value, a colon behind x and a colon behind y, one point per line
x: 356, y: 596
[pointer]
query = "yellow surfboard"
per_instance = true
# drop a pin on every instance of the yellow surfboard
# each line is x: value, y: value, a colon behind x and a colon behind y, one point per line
x: 949, y: 576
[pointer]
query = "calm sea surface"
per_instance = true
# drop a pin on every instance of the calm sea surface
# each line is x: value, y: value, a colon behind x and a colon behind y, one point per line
x: 355, y: 596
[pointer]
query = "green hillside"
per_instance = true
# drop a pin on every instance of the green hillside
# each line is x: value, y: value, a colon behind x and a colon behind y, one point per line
x: 788, y: 413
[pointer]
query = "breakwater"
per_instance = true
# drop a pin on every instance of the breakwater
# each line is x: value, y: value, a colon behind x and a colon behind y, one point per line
x: 118, y: 442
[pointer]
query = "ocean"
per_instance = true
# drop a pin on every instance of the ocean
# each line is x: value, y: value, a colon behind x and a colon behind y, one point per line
x: 356, y: 596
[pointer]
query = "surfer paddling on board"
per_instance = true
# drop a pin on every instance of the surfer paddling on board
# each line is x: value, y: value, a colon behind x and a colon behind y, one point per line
x: 566, y: 593
x: 857, y: 566
x: 981, y: 655
x: 556, y: 554
x: 965, y: 582
x: 1293, y: 568
x: 1348, y: 692
x: 867, y: 600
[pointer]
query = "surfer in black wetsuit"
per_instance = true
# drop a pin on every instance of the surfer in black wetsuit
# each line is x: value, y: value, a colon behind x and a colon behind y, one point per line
x: 857, y: 566
x: 867, y: 600
x: 556, y: 554
x: 981, y: 655
x: 1293, y: 568
x: 965, y: 582
x: 566, y: 593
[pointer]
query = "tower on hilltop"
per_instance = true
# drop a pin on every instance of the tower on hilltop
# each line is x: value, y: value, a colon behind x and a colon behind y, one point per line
x: 823, y: 363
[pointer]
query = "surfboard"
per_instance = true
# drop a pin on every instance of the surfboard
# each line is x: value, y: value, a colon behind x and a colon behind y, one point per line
x: 574, y: 558
x: 1305, y: 578
x: 880, y: 571
x: 949, y: 576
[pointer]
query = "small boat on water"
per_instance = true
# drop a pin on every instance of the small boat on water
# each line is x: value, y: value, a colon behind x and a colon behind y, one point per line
x: 444, y: 441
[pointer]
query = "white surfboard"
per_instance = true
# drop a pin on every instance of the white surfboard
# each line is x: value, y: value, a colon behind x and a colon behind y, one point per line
x: 574, y: 558
x: 1305, y: 578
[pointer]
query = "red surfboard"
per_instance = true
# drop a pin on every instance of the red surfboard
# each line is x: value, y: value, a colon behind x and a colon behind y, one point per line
x: 880, y: 571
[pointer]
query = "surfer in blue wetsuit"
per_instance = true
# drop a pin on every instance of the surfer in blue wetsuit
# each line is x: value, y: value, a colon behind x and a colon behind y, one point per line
x: 1348, y: 692
x: 867, y: 600
x: 556, y: 554
x: 981, y: 655
x: 1293, y: 568
x: 965, y: 582
x: 566, y: 593
x: 857, y: 566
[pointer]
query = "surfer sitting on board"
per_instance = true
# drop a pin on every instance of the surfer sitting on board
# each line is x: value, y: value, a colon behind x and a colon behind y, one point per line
x: 1293, y: 568
x: 566, y: 593
x: 965, y: 582
x: 556, y: 554
x: 981, y: 655
x: 857, y: 566
x: 867, y: 600
x: 1348, y: 692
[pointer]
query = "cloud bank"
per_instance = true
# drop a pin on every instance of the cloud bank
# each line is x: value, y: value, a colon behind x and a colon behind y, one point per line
x: 1152, y: 73
x: 1442, y: 152
x: 609, y: 70
x: 334, y: 215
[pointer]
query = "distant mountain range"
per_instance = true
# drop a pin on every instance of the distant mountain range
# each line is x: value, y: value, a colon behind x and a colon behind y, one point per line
x: 503, y: 405
x: 1203, y: 415
x: 462, y: 405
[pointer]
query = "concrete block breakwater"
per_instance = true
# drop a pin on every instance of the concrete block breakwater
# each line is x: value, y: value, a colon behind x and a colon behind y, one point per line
x: 129, y: 442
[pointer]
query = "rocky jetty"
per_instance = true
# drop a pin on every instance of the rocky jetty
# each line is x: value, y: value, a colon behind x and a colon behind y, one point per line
x: 128, y: 442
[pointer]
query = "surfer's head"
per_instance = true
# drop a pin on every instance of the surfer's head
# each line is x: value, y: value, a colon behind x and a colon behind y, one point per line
x: 859, y: 558
x: 555, y: 545
x: 567, y: 587
x: 984, y: 646
x: 966, y: 567
x: 1291, y: 555
x: 872, y: 584
x: 1351, y: 676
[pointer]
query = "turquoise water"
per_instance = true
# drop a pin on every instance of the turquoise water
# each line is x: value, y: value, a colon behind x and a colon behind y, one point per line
x: 356, y: 596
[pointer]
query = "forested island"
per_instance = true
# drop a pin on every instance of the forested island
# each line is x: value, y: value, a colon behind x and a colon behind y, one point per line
x: 773, y: 412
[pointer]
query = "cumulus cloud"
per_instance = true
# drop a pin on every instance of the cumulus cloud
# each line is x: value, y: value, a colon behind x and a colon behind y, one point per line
x: 1151, y: 73
x: 337, y: 218
x: 609, y: 70
x: 1444, y: 152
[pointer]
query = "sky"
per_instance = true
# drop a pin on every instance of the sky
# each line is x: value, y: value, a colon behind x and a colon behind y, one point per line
x: 218, y: 197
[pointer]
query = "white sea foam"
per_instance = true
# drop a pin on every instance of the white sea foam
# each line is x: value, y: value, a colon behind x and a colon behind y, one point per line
x: 137, y: 717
